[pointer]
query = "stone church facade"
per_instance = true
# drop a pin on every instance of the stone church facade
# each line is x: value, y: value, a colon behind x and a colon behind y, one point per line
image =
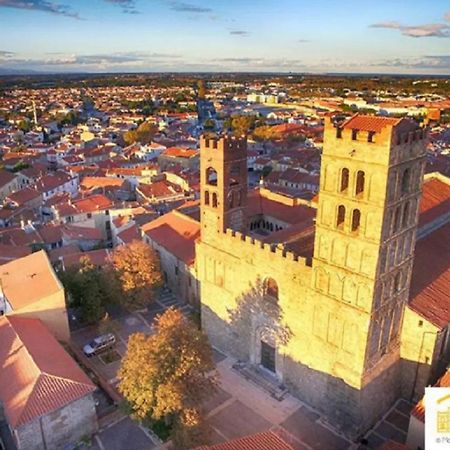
x: 328, y: 326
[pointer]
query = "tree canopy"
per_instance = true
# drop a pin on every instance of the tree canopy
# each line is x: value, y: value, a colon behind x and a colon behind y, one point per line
x: 168, y: 374
x: 137, y: 269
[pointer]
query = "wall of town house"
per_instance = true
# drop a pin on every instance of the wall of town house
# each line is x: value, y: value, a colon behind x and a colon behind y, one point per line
x: 53, y: 431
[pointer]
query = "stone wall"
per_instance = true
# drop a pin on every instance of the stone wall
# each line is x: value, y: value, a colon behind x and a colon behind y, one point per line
x: 67, y: 425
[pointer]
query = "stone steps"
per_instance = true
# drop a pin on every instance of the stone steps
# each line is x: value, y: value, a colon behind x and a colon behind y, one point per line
x: 262, y: 380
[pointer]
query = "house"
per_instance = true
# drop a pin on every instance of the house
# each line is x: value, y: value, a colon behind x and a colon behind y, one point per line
x: 28, y: 196
x: 173, y: 237
x: 188, y: 158
x: 9, y: 183
x: 30, y: 288
x: 46, y: 398
x: 159, y: 192
x: 86, y: 238
x: 60, y: 182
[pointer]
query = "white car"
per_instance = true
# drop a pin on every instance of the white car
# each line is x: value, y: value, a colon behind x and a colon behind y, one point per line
x: 100, y: 343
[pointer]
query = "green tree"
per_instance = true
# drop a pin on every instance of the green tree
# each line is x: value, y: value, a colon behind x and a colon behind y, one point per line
x: 168, y: 374
x: 90, y: 289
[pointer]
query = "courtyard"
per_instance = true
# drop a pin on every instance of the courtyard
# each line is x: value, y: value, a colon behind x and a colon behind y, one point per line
x: 240, y: 406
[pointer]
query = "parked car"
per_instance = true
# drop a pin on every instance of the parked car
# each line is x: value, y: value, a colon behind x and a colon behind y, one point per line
x: 99, y: 344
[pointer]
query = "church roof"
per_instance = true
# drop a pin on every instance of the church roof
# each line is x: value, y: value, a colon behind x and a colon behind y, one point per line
x: 429, y: 292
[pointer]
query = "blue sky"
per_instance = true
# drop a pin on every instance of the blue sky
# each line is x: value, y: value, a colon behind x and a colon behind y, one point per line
x: 392, y: 36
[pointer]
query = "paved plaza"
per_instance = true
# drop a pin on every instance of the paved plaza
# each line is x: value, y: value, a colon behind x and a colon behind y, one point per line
x: 239, y: 408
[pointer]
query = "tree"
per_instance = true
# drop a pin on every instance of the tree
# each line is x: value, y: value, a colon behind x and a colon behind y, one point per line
x: 143, y: 134
x: 90, y: 289
x: 201, y: 86
x: 168, y: 374
x: 137, y: 268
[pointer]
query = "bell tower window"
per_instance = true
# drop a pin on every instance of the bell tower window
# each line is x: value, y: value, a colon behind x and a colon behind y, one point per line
x: 206, y: 197
x: 211, y: 176
x: 344, y: 179
x: 340, y: 217
x: 356, y: 220
x: 360, y: 180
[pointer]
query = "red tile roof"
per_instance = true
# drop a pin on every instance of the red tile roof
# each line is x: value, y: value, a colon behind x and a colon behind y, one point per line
x: 28, y: 280
x: 98, y: 257
x: 369, y: 123
x: 129, y: 234
x: 180, y: 152
x: 83, y: 233
x: 37, y: 375
x: 435, y: 200
x: 258, y: 204
x: 266, y: 440
x: 429, y: 292
x: 175, y: 232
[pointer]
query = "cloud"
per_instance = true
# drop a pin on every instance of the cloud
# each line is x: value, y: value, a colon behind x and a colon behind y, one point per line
x: 239, y: 33
x: 128, y: 6
x: 40, y: 5
x: 94, y: 62
x: 5, y: 54
x: 441, y: 30
x: 176, y: 5
x: 436, y: 62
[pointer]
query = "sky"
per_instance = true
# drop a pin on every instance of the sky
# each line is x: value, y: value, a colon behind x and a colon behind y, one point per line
x: 357, y: 36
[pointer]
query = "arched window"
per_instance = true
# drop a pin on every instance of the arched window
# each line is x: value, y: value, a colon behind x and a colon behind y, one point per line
x: 397, y: 219
x: 398, y: 282
x: 214, y: 200
x: 211, y: 176
x: 360, y: 179
x: 340, y: 217
x: 344, y: 179
x: 356, y: 219
x: 406, y: 178
x: 271, y: 288
x: 405, y: 218
x: 206, y: 197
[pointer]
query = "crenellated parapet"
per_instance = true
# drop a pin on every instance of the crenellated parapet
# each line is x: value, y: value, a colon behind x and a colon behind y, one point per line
x: 246, y: 244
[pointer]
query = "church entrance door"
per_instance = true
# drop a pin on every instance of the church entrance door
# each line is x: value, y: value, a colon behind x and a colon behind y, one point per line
x: 268, y: 356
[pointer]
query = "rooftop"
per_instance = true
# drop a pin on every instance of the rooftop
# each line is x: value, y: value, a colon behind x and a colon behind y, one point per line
x: 37, y: 375
x: 29, y: 279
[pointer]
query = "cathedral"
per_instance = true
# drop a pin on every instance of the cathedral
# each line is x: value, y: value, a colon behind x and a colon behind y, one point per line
x: 321, y: 297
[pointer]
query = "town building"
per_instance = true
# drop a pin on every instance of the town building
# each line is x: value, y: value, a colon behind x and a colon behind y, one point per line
x: 46, y: 398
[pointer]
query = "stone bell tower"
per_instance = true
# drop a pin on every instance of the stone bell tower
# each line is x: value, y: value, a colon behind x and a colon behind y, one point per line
x: 371, y: 181
x: 223, y: 181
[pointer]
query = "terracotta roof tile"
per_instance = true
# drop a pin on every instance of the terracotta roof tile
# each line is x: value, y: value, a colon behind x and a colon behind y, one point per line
x: 435, y: 200
x: 369, y: 123
x: 37, y: 375
x: 429, y: 295
x: 29, y: 279
x: 175, y: 232
x: 267, y: 440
